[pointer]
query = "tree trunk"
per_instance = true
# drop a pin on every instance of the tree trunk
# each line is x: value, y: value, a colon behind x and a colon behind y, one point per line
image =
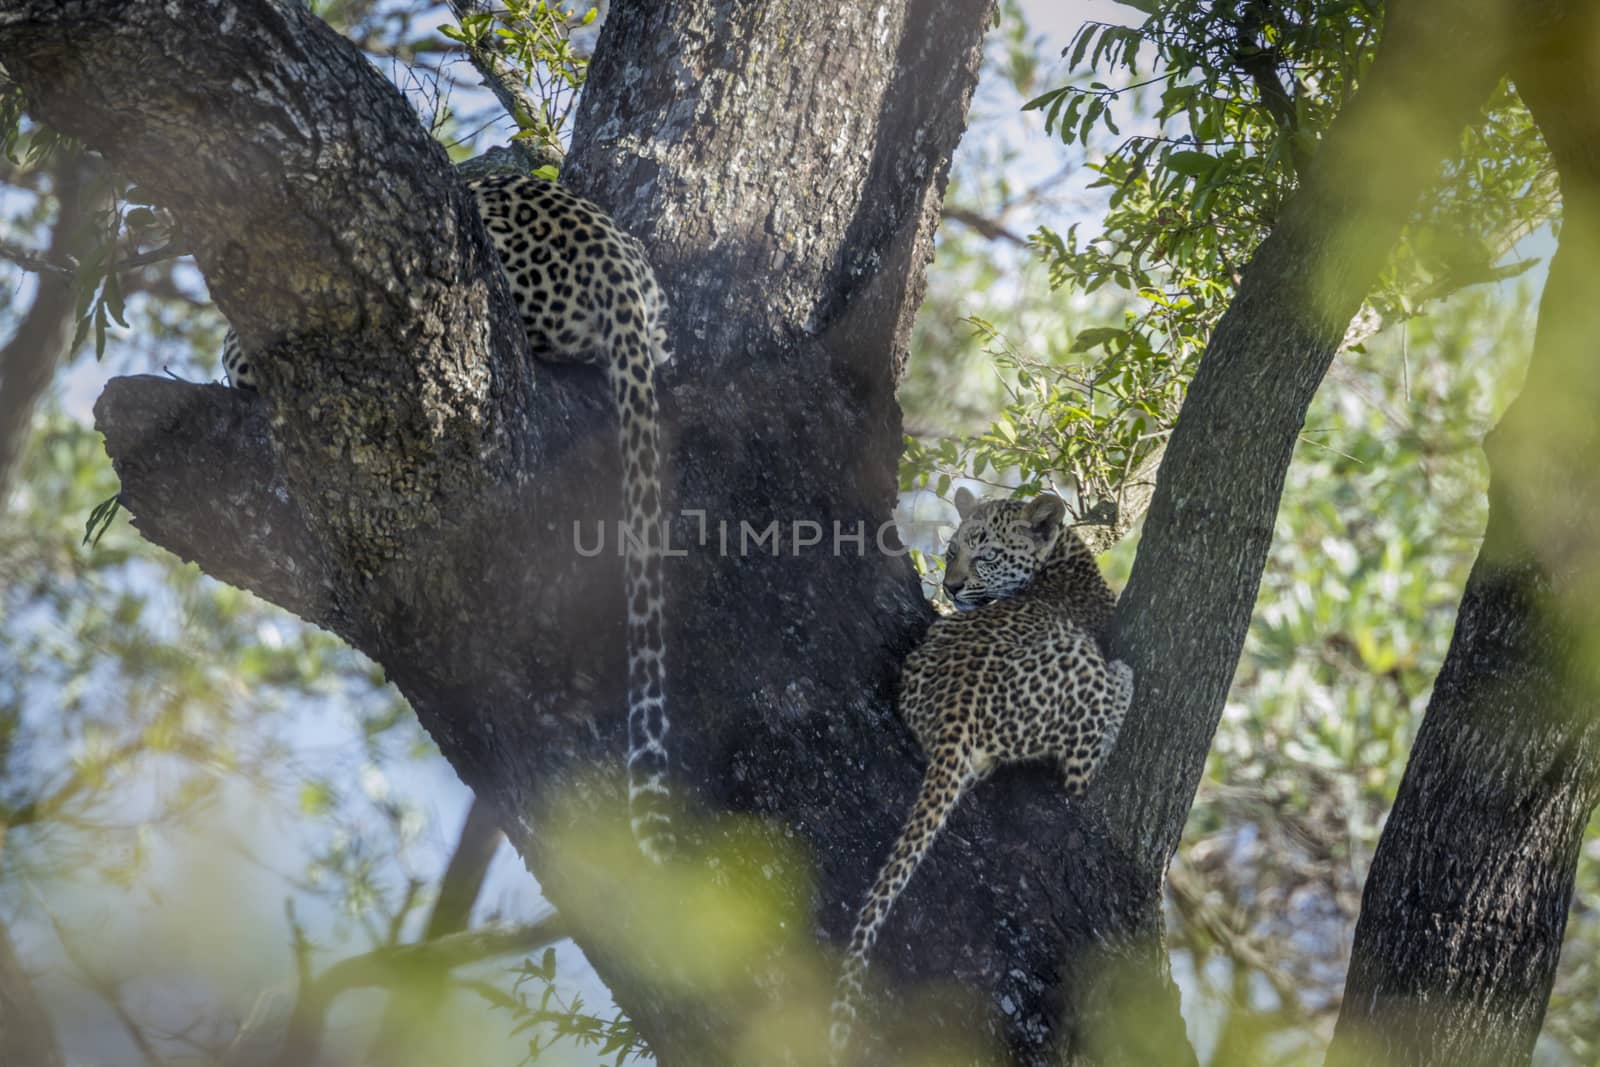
x: 785, y: 165
x: 1467, y: 900
x: 1182, y: 618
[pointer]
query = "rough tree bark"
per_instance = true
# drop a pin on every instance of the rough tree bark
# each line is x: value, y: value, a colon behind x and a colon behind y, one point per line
x: 1184, y: 612
x: 404, y: 432
x: 1467, y: 900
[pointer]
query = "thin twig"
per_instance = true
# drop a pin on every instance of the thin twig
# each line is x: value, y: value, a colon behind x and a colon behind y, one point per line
x: 395, y: 965
x: 38, y: 263
x: 30, y: 260
x: 109, y: 990
x: 498, y: 76
x: 987, y: 228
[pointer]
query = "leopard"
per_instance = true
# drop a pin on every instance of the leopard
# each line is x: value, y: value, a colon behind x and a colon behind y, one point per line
x: 1018, y: 672
x: 585, y: 293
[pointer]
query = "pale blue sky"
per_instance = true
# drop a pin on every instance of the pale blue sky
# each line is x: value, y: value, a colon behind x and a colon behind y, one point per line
x: 1058, y: 20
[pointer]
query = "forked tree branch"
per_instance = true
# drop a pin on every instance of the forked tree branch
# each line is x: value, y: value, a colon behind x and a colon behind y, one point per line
x: 434, y: 489
x: 397, y: 968
x: 499, y: 76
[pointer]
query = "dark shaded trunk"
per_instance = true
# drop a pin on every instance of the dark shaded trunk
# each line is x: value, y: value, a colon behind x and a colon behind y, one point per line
x: 1467, y: 900
x: 1183, y: 616
x: 402, y: 435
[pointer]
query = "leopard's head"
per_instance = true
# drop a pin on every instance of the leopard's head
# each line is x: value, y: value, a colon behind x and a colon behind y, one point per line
x: 999, y: 546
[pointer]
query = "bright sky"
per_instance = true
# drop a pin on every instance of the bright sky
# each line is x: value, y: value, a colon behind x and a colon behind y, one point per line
x: 1058, y: 20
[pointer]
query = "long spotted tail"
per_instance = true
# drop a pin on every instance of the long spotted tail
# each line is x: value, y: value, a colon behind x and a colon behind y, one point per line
x: 632, y: 381
x: 948, y: 778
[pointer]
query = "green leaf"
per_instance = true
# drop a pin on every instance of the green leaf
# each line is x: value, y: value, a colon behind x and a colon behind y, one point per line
x: 1194, y: 164
x: 1044, y: 99
x: 316, y: 798
x: 111, y: 297
x: 100, y: 520
x: 1092, y: 338
x: 100, y: 330
x: 1080, y: 45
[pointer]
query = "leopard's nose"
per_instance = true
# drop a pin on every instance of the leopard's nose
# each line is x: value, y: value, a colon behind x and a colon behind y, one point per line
x: 953, y: 586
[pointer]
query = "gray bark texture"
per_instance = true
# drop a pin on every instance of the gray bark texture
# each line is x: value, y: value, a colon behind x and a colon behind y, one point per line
x: 411, y: 479
x: 1465, y: 906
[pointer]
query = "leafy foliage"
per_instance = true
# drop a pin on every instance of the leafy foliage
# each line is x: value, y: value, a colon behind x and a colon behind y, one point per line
x: 535, y: 37
x: 142, y: 662
x: 1231, y: 113
x: 1383, y: 511
x: 549, y: 1016
x: 1093, y: 413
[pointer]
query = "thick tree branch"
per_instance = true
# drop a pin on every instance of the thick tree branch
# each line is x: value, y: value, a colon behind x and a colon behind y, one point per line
x: 1467, y: 900
x: 1184, y: 613
x: 303, y: 178
x: 438, y: 493
x: 207, y: 486
x: 463, y: 876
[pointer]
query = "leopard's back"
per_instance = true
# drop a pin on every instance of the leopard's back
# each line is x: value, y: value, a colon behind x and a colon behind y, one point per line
x: 1019, y: 675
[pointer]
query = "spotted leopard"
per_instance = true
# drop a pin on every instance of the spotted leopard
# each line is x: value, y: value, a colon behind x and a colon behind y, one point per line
x: 1017, y: 674
x: 586, y: 294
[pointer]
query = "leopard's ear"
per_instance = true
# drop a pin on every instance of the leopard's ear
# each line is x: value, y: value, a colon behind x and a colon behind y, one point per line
x: 965, y: 501
x: 1043, y: 514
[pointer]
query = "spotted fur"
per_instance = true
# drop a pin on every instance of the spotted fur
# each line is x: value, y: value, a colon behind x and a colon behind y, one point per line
x: 586, y: 294
x: 1018, y: 674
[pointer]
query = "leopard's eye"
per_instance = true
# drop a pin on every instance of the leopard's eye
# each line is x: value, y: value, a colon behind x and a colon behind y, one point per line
x: 987, y: 556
